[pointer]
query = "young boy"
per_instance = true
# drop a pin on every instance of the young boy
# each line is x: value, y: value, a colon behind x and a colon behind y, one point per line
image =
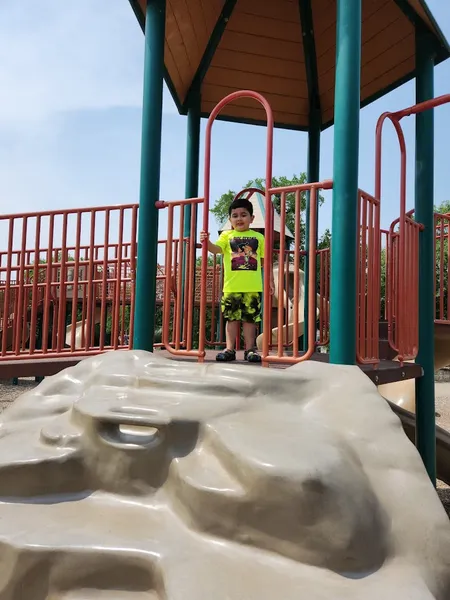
x: 243, y: 257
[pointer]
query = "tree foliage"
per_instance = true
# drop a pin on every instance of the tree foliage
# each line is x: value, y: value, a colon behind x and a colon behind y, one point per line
x: 220, y: 209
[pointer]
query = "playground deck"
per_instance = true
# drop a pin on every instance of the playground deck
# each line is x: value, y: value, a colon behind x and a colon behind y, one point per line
x: 388, y: 371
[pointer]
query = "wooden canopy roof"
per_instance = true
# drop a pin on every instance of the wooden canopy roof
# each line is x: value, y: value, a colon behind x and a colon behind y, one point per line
x: 284, y: 49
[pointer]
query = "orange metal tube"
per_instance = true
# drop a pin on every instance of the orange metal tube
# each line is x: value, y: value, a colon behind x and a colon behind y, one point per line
x: 20, y: 316
x: 105, y: 281
x: 48, y: 285
x: 282, y: 297
x: 311, y: 324
x: 362, y: 217
x: 75, y: 282
x: 297, y: 250
x: 90, y: 285
x: 133, y: 252
x: 6, y: 299
x: 191, y: 282
x: 116, y: 305
x: 179, y: 279
x: 207, y: 191
x: 62, y: 290
x: 168, y: 291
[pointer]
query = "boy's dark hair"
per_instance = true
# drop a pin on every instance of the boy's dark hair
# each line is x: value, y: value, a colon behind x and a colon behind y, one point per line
x: 241, y: 203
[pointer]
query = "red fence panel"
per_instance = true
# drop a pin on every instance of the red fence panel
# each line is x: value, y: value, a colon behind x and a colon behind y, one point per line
x: 290, y: 323
x: 180, y: 276
x: 403, y: 287
x: 64, y: 287
x: 368, y: 282
x: 442, y: 291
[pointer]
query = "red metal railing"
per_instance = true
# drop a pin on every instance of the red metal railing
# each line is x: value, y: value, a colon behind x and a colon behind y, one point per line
x: 404, y: 273
x: 368, y: 283
x: 179, y: 287
x: 384, y: 245
x: 324, y: 297
x: 402, y: 295
x: 297, y: 304
x: 402, y: 290
x: 71, y: 285
x: 442, y: 291
x: 62, y: 274
x: 207, y: 190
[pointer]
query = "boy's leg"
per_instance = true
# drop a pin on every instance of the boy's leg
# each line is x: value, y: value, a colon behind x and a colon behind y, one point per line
x: 231, y: 333
x: 251, y: 315
x: 249, y: 335
x: 231, y: 309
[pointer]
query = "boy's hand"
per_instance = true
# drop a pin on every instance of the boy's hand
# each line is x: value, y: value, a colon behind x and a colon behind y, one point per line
x: 204, y: 236
x: 272, y: 287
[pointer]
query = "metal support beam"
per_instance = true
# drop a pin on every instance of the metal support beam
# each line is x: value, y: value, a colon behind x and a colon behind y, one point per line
x: 192, y: 173
x: 145, y: 308
x: 345, y: 191
x: 192, y: 149
x: 313, y: 175
x: 309, y: 51
x: 315, y: 123
x: 211, y: 47
x: 424, y: 213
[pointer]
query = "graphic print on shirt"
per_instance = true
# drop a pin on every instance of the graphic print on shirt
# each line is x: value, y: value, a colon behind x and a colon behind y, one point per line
x: 244, y: 254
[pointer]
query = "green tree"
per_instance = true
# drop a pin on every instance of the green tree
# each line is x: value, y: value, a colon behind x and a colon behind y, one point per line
x: 220, y: 209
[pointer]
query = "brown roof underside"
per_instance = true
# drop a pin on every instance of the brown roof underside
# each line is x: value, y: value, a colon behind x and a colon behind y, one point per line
x: 261, y: 49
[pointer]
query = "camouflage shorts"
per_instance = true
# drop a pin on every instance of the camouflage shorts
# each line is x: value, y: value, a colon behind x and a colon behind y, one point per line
x: 244, y: 307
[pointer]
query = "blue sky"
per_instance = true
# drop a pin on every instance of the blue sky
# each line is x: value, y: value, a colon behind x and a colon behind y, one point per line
x: 70, y: 117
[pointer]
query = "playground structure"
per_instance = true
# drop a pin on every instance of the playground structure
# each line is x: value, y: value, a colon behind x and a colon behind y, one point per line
x: 121, y: 300
x: 76, y: 296
x: 307, y: 465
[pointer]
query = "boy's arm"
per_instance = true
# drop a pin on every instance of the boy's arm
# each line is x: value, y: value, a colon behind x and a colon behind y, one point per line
x: 213, y: 248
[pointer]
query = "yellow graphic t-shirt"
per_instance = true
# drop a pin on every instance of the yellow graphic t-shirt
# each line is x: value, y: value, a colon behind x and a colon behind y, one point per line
x: 242, y: 253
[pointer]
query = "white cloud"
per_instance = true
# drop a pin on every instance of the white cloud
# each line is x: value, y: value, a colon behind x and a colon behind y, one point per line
x: 57, y: 57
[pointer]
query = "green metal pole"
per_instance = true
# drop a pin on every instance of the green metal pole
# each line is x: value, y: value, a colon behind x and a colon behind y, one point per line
x: 345, y: 175
x: 192, y: 171
x: 192, y: 153
x: 313, y: 175
x: 424, y: 213
x: 147, y: 256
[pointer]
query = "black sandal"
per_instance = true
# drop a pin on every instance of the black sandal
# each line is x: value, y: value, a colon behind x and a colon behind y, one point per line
x: 252, y: 356
x: 226, y: 356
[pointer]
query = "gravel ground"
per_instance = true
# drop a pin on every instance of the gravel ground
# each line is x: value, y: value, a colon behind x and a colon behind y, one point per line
x: 9, y: 392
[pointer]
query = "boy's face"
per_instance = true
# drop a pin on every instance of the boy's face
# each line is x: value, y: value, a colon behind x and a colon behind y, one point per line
x: 241, y: 219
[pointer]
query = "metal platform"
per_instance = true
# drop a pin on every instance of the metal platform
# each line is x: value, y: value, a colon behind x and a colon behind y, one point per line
x: 388, y: 371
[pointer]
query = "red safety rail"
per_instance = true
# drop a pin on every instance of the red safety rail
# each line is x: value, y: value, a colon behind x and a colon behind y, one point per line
x: 442, y: 238
x: 405, y: 337
x: 64, y: 277
x: 368, y: 279
x: 284, y: 292
x: 384, y: 245
x: 324, y: 297
x: 207, y: 190
x: 402, y: 294
x: 282, y: 192
x: 180, y: 274
x: 402, y: 290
